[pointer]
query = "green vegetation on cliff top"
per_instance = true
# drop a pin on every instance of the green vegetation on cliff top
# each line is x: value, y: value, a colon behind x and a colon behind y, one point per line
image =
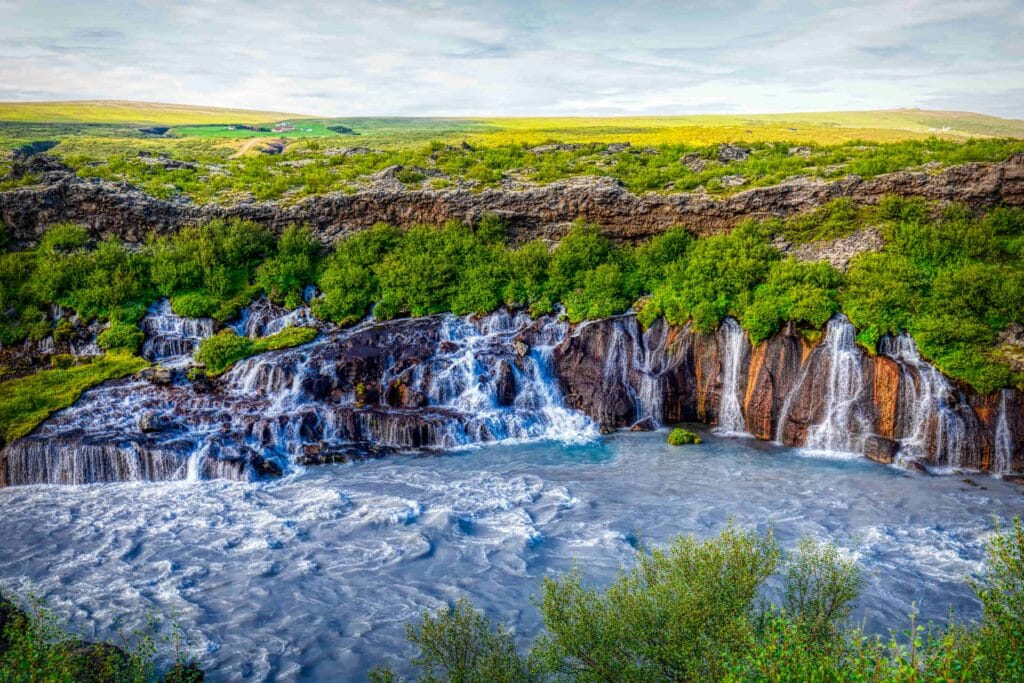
x: 951, y: 278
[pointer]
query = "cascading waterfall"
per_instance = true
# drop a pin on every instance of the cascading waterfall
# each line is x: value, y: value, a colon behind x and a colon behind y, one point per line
x: 730, y: 414
x: 473, y: 377
x: 843, y: 427
x: 1003, y: 438
x: 172, y: 339
x: 481, y: 380
x: 936, y: 408
x: 633, y: 361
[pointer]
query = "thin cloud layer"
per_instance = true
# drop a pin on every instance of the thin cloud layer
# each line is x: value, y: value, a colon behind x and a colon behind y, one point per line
x: 520, y: 58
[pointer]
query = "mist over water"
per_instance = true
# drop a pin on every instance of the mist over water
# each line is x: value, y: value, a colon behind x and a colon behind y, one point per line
x: 314, y: 576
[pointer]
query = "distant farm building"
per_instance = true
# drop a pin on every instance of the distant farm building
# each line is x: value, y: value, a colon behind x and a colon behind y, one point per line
x: 283, y: 127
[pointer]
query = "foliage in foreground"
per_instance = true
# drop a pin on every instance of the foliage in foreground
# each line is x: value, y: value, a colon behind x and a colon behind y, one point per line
x: 224, y: 349
x: 35, y: 649
x: 696, y: 611
x: 27, y: 401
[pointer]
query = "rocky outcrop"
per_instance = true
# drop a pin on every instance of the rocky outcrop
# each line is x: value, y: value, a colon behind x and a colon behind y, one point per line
x: 443, y: 382
x: 829, y: 395
x: 112, y: 209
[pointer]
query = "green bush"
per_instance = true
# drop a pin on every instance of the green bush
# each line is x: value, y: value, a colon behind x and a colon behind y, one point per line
x: 696, y: 610
x: 681, y: 437
x: 120, y: 335
x: 224, y: 349
x: 34, y: 647
x: 802, y: 292
x: 349, y: 284
x: 285, y: 275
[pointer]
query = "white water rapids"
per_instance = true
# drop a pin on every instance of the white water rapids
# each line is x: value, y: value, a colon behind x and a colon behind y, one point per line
x: 313, y: 577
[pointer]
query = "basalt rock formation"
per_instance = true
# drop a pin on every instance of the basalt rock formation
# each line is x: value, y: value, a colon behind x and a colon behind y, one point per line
x: 443, y: 382
x: 119, y: 210
x: 829, y: 396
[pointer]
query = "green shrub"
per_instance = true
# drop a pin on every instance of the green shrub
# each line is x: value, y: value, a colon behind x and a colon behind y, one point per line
x: 579, y: 252
x: 802, y: 292
x: 608, y: 291
x: 34, y: 647
x: 285, y: 275
x: 194, y: 305
x: 120, y: 335
x: 222, y: 350
x: 459, y: 643
x: 349, y: 284
x: 681, y: 437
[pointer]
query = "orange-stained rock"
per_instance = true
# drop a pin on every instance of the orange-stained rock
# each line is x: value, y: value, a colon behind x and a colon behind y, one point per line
x: 707, y: 373
x: 774, y: 367
x: 886, y: 396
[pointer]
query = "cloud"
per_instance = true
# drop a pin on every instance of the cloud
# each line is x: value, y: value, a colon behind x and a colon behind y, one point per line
x: 491, y: 57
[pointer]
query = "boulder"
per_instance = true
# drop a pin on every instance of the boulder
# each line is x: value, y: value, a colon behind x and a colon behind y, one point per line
x: 505, y: 385
x: 152, y: 421
x: 644, y: 425
x: 881, y: 449
x: 727, y: 153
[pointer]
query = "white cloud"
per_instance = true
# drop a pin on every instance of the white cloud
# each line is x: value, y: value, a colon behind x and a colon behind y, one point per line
x: 519, y: 57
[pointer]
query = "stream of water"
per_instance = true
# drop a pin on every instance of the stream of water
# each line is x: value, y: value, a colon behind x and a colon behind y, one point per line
x: 313, y: 577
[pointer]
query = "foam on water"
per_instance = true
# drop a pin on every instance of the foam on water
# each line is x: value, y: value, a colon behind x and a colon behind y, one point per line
x: 313, y: 577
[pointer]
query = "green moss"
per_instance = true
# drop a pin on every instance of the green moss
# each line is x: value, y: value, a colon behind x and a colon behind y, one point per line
x: 680, y: 437
x: 27, y: 401
x: 224, y: 349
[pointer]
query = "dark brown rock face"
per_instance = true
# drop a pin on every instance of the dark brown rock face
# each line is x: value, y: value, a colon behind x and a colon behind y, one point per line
x: 880, y: 449
x: 830, y: 395
x: 774, y: 367
x: 111, y: 209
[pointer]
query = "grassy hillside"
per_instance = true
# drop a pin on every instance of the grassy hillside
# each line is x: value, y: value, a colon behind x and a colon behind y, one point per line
x: 23, y: 122
x: 143, y: 113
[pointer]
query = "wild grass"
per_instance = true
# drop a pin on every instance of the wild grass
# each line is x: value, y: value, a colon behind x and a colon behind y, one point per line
x: 115, y: 111
x: 213, y: 172
x: 26, y: 401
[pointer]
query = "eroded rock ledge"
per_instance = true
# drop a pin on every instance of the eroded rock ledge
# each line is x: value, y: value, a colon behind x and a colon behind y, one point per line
x: 119, y: 210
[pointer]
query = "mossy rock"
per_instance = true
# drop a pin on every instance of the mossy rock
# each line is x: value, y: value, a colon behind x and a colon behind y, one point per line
x: 681, y: 437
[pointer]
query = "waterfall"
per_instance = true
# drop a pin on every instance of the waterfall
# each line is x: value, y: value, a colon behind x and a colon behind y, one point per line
x: 504, y: 395
x: 634, y: 361
x: 262, y: 318
x: 730, y: 350
x: 1003, y: 439
x: 169, y: 338
x: 937, y: 413
x: 425, y: 383
x: 843, y: 426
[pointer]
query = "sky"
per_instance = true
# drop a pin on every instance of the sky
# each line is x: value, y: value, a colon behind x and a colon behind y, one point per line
x: 518, y: 57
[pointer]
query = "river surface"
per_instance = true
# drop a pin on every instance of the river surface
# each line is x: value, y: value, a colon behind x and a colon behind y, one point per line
x: 314, y: 576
